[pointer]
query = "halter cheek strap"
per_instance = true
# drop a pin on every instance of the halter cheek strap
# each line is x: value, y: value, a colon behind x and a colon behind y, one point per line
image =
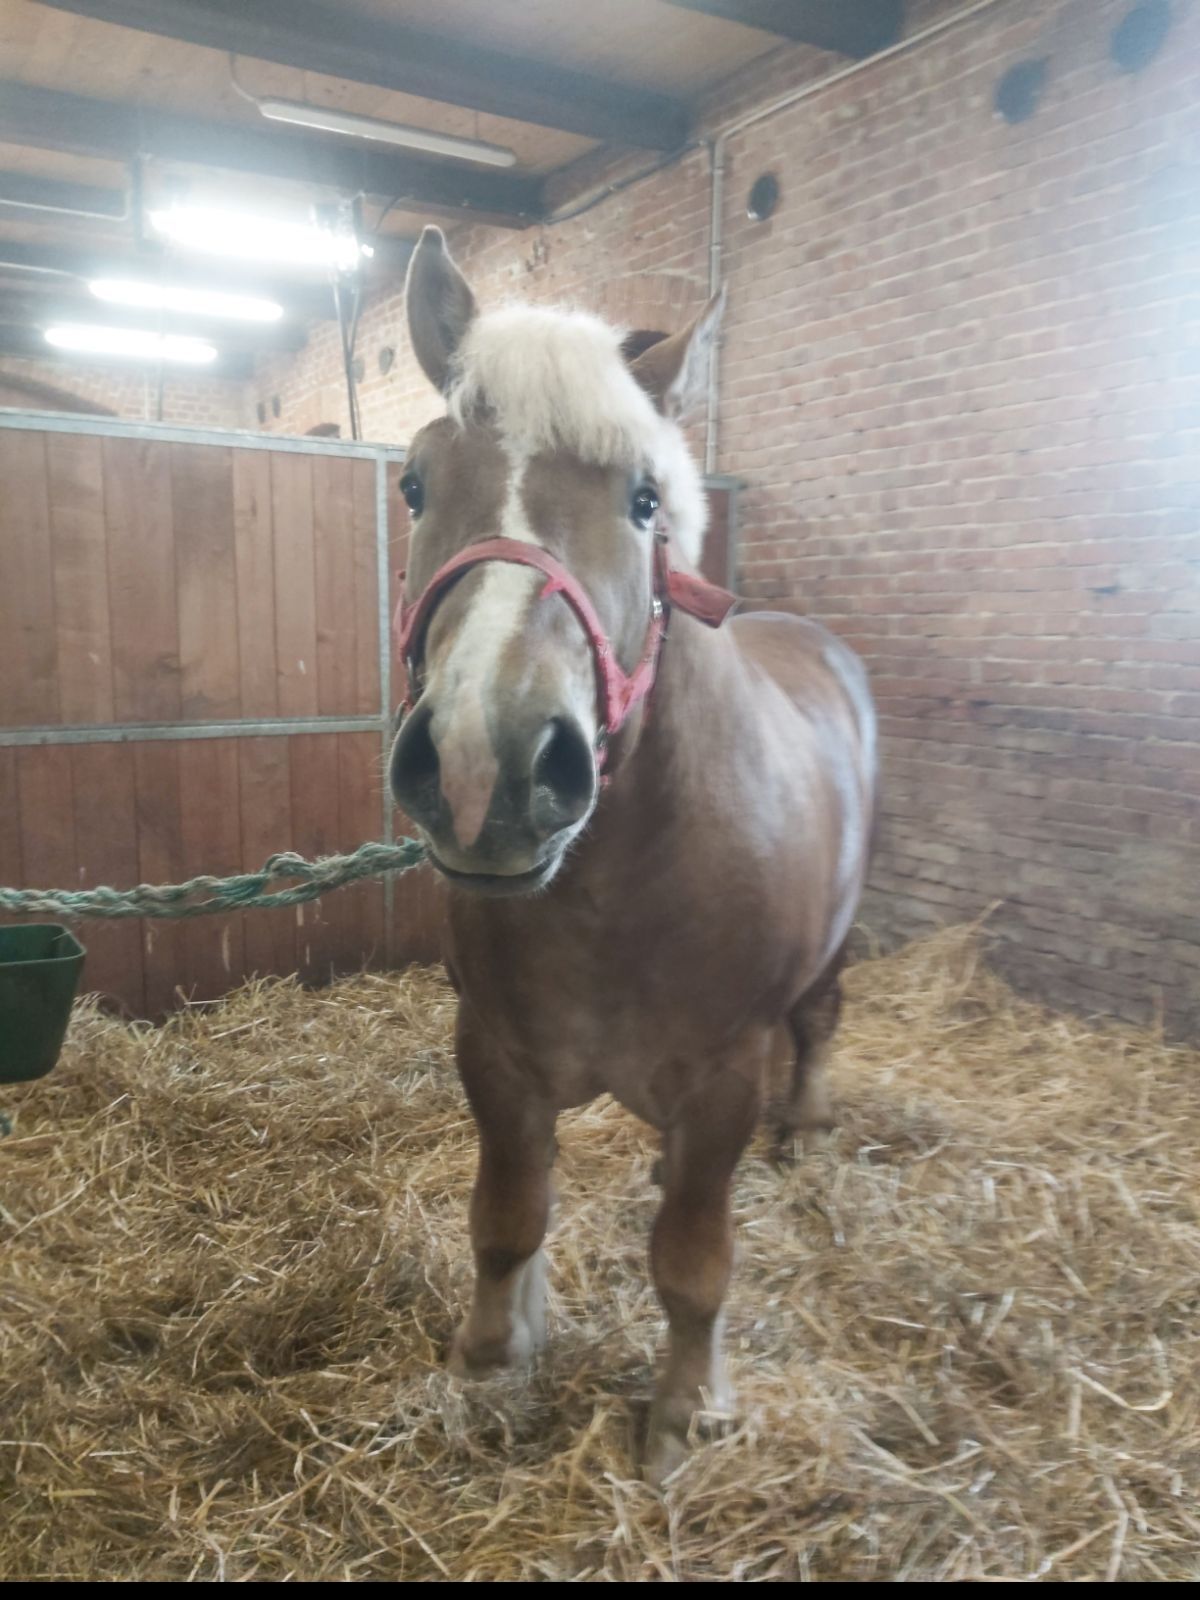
x: 619, y: 691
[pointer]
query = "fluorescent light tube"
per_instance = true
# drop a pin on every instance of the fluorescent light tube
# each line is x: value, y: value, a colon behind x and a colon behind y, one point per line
x: 249, y: 237
x: 189, y: 302
x: 438, y: 144
x: 146, y: 346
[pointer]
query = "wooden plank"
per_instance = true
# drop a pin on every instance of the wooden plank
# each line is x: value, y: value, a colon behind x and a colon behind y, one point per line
x: 360, y: 809
x: 142, y: 600
x: 254, y: 539
x: 295, y: 585
x: 30, y: 191
x: 341, y: 43
x: 206, y: 567
x: 102, y: 777
x: 314, y: 833
x: 264, y: 775
x: 49, y: 119
x: 418, y: 910
x: 75, y: 472
x: 213, y: 948
x: 855, y: 29
x: 47, y: 807
x: 333, y: 529
x: 34, y: 395
x: 366, y: 589
x: 160, y: 860
x: 12, y: 872
x: 28, y: 665
x: 46, y: 812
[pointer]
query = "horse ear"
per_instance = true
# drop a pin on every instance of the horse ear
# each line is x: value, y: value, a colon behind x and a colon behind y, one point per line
x: 674, y: 371
x: 440, y: 306
x: 636, y: 344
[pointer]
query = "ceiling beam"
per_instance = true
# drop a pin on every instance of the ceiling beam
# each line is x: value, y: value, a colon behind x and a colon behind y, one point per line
x: 855, y: 28
x: 49, y: 119
x: 24, y: 191
x: 40, y: 396
x: 340, y: 43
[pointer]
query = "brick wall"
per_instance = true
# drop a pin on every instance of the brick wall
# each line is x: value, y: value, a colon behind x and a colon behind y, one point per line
x: 188, y: 400
x: 961, y: 380
x: 979, y: 462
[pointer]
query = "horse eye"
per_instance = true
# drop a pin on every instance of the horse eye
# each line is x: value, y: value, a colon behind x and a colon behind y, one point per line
x: 645, y: 504
x: 414, y: 493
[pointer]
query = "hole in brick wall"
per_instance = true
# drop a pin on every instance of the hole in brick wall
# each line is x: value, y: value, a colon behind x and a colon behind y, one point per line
x: 1139, y: 36
x: 763, y: 197
x: 1019, y: 91
x: 276, y: 408
x: 387, y: 358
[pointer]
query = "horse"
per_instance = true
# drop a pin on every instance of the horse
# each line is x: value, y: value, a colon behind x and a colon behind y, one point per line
x: 654, y: 818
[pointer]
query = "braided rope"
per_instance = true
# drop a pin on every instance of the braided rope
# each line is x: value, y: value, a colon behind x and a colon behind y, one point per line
x: 204, y: 896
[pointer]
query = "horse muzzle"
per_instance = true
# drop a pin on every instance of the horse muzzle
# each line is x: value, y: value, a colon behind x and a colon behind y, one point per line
x: 497, y: 820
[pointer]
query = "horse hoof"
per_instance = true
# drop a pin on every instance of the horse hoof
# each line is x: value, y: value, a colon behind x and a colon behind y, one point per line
x: 673, y: 1422
x: 666, y: 1451
x: 474, y: 1362
x: 791, y: 1145
x: 470, y: 1366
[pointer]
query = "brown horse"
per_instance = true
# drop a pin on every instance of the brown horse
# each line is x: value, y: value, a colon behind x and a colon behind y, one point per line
x: 655, y: 845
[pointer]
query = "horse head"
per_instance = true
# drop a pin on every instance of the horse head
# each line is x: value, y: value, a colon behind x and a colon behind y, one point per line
x: 549, y: 505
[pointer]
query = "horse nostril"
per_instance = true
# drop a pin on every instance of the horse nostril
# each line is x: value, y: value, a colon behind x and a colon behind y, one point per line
x: 564, y: 777
x: 415, y: 773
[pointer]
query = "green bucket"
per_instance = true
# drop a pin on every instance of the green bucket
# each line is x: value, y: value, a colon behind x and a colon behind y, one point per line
x: 40, y: 965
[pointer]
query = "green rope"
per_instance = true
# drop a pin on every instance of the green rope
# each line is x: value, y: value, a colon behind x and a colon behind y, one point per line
x: 201, y: 897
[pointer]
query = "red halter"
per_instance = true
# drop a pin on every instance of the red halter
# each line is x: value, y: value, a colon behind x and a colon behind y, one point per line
x: 619, y: 691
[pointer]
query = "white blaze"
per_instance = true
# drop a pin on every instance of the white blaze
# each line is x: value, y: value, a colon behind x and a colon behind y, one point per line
x: 495, y: 616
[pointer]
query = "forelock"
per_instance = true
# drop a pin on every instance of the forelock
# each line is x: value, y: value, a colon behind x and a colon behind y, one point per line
x: 550, y: 380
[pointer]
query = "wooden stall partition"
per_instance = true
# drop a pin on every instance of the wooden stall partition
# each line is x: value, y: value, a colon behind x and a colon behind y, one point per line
x: 194, y: 669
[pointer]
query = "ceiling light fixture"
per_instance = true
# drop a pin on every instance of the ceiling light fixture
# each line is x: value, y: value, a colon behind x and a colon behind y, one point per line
x: 345, y: 122
x: 90, y: 339
x: 248, y: 237
x: 189, y: 302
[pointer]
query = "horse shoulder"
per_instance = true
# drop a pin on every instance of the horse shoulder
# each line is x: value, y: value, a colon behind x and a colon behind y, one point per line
x: 817, y: 671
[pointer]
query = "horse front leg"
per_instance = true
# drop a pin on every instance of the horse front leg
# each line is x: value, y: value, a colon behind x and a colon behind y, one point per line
x: 691, y: 1255
x: 510, y: 1211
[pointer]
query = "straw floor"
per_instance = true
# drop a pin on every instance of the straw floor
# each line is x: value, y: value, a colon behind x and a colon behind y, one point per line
x: 965, y: 1334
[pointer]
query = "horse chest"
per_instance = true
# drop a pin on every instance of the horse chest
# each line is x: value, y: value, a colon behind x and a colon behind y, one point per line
x: 639, y: 1007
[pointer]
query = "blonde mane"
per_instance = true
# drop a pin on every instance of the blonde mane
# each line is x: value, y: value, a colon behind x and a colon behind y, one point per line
x: 556, y: 380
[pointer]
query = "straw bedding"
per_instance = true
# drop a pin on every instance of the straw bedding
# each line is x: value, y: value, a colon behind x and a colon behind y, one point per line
x: 964, y: 1334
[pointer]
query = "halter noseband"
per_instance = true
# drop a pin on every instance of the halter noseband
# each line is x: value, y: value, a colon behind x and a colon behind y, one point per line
x: 619, y: 691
